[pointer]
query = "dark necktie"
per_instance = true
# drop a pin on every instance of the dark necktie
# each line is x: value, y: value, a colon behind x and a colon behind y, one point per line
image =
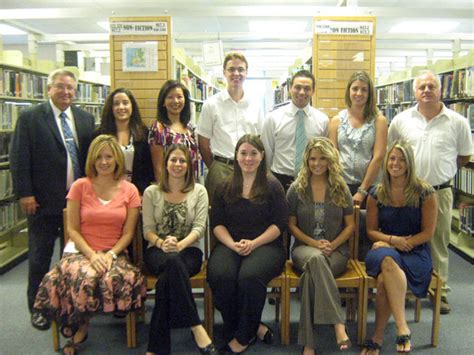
x: 70, y: 145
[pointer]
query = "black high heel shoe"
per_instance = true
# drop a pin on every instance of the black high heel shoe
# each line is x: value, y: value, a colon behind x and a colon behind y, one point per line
x: 269, y: 335
x: 207, y: 350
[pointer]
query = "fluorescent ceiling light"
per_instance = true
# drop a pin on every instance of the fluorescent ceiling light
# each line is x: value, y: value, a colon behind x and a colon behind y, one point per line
x: 277, y: 26
x: 105, y: 25
x: 10, y: 30
x: 424, y: 27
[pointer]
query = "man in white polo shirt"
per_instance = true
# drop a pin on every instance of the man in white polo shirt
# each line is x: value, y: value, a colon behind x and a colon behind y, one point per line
x: 441, y: 140
x: 225, y: 117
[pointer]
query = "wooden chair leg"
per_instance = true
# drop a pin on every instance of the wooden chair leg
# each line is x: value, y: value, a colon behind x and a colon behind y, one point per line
x: 285, y: 314
x: 55, y: 332
x: 208, y: 311
x: 278, y: 300
x: 436, y: 312
x: 131, y: 320
x: 417, y: 310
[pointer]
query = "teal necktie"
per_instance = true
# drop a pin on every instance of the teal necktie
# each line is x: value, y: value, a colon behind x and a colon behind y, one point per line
x: 300, y: 139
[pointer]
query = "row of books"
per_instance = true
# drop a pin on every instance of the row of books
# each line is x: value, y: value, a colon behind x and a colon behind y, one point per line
x: 458, y: 84
x: 198, y: 88
x: 281, y: 93
x: 34, y: 86
x: 23, y: 85
x: 87, y: 92
x: 464, y: 180
x: 464, y: 108
x: 94, y: 110
x: 9, y: 113
x: 395, y: 93
x: 10, y: 215
x: 6, y: 185
x: 466, y: 219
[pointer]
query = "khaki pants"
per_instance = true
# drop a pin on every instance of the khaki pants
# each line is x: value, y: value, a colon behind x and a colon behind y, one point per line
x: 440, y: 241
x: 217, y: 174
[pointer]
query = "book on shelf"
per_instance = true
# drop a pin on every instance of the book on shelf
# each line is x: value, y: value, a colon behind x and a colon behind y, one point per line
x: 457, y: 84
x: 10, y: 215
x: 464, y: 180
x: 9, y: 113
x: 5, y: 140
x: 6, y: 185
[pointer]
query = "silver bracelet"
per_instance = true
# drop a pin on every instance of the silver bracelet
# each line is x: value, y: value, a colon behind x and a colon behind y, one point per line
x: 362, y: 191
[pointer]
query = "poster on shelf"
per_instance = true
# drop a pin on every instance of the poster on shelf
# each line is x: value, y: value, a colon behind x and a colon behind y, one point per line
x: 140, y: 56
x: 212, y: 53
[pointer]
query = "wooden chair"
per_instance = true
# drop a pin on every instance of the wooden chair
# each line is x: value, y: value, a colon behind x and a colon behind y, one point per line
x: 434, y: 294
x: 198, y: 281
x: 350, y: 283
x: 131, y: 318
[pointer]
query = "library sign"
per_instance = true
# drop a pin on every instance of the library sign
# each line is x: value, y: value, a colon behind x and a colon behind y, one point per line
x: 343, y: 28
x: 138, y: 28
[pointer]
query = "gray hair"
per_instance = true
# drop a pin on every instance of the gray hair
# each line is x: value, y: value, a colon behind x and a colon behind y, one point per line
x: 425, y: 72
x: 55, y: 73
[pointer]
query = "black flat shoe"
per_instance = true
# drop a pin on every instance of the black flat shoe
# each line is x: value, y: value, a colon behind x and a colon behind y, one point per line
x: 269, y: 335
x: 226, y: 350
x: 207, y: 350
x: 39, y: 321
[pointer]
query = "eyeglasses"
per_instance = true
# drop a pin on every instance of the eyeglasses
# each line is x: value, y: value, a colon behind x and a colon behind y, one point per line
x: 239, y: 70
x: 64, y: 87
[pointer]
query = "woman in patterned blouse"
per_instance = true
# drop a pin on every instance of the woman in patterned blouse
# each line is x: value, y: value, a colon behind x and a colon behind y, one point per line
x: 172, y: 125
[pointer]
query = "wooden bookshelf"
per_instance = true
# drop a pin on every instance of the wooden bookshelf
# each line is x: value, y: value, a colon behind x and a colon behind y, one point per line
x: 341, y: 46
x: 144, y: 85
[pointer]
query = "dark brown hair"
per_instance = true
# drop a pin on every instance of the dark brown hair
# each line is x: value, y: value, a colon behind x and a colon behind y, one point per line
x: 189, y: 177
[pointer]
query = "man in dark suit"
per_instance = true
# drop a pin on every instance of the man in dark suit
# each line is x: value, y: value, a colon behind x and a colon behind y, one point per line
x: 48, y: 152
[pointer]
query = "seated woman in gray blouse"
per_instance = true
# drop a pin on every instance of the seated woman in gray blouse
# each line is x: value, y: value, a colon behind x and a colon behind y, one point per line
x: 174, y: 219
x: 321, y: 220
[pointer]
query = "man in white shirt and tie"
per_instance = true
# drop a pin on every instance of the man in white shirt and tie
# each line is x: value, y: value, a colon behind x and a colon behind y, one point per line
x: 48, y: 152
x: 287, y: 129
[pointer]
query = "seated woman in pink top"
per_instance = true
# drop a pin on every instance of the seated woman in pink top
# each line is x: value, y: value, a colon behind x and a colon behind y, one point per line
x: 94, y: 274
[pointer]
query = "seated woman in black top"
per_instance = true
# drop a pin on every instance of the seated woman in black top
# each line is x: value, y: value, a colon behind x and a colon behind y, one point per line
x: 248, y: 214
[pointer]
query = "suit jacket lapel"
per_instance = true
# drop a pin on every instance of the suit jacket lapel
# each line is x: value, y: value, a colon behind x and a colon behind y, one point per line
x: 80, y: 123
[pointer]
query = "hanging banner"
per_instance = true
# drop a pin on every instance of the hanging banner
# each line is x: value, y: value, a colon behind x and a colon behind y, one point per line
x: 138, y: 28
x: 343, y: 27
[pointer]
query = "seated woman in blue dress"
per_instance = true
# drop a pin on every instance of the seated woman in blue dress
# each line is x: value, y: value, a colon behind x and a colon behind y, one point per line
x: 401, y: 219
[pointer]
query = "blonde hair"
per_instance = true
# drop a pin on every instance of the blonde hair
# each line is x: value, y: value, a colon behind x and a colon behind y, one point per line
x: 100, y: 142
x: 414, y: 187
x: 337, y: 186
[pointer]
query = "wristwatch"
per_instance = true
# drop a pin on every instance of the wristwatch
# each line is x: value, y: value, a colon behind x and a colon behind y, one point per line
x: 111, y: 252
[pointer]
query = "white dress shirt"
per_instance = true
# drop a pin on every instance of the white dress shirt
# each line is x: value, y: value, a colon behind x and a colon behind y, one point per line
x: 224, y: 121
x: 436, y: 143
x: 278, y: 135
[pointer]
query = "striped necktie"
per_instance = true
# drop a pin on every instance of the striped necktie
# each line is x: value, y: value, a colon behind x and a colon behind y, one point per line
x: 70, y: 145
x: 300, y: 139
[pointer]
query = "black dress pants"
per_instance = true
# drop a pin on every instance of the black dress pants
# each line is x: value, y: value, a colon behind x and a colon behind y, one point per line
x: 42, y: 233
x: 174, y: 301
x: 239, y: 286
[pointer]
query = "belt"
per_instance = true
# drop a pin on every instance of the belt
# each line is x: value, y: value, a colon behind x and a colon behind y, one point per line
x: 224, y: 160
x: 442, y: 186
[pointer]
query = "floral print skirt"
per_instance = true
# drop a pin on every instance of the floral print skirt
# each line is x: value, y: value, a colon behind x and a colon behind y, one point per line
x: 72, y: 291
